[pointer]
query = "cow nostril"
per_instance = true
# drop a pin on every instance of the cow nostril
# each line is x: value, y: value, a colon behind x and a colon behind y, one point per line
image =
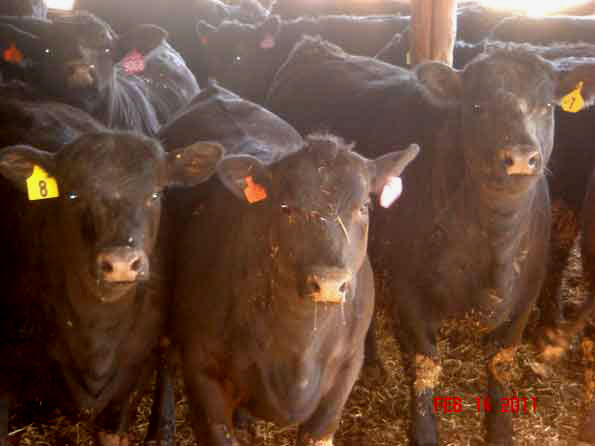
x: 533, y: 161
x: 343, y: 287
x: 106, y: 267
x: 508, y: 161
x: 135, y: 266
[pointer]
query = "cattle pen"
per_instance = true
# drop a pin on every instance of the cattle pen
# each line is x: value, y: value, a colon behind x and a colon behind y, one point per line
x: 234, y: 49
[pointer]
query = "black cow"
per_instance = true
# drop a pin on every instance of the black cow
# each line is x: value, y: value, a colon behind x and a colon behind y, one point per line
x: 245, y: 58
x: 134, y: 82
x: 30, y: 8
x: 545, y: 30
x: 470, y: 241
x: 179, y: 18
x: 240, y: 126
x: 272, y: 315
x: 97, y: 266
x: 292, y: 9
x: 475, y: 22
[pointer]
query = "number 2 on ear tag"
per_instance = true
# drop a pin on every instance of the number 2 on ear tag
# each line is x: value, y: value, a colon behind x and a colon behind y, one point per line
x: 41, y: 186
x: 573, y: 102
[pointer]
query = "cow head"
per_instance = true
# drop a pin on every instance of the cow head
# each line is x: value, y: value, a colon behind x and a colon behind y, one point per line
x: 241, y: 56
x: 506, y: 100
x: 315, y: 205
x: 76, y: 55
x: 109, y: 205
x: 31, y: 8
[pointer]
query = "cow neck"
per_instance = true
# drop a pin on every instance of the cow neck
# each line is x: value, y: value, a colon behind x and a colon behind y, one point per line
x: 504, y: 216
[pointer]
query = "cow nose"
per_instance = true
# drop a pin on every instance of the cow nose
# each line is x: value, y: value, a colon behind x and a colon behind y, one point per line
x: 122, y: 264
x: 328, y: 285
x: 81, y: 74
x: 521, y: 161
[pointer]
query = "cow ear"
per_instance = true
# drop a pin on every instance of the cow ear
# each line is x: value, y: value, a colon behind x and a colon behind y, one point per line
x: 444, y: 83
x: 576, y: 87
x: 17, y: 164
x: 203, y: 31
x: 246, y: 177
x: 193, y: 164
x: 386, y: 174
x: 17, y: 47
x: 142, y: 39
x: 268, y: 32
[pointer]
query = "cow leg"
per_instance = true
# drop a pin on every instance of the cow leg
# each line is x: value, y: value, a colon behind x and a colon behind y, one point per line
x: 499, y: 422
x: 4, y: 413
x: 372, y: 364
x: 587, y: 429
x: 320, y: 428
x: 114, y: 421
x: 211, y: 409
x: 162, y: 424
x: 417, y: 339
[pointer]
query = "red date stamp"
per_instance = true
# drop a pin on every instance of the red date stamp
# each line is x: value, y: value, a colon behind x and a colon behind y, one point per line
x: 514, y: 404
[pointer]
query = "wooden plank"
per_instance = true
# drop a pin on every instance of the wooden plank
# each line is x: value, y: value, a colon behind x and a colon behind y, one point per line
x: 421, y: 30
x: 444, y: 30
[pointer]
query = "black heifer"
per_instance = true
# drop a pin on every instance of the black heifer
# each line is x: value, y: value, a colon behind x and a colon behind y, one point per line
x: 245, y: 58
x: 240, y: 126
x: 545, y: 30
x: 98, y: 266
x: 179, y: 18
x: 133, y: 82
x: 470, y: 239
x: 292, y: 9
x: 272, y: 315
x: 30, y: 8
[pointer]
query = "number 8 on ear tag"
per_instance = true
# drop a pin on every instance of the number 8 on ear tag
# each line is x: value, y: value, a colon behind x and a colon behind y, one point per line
x: 41, y: 186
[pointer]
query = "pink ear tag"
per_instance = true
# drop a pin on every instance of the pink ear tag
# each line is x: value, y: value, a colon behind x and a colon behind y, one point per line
x: 133, y: 62
x: 391, y: 191
x: 267, y: 42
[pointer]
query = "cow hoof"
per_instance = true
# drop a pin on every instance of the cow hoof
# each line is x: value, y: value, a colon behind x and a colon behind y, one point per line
x: 105, y: 439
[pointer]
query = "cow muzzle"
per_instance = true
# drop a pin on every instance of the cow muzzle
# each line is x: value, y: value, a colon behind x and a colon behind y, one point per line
x: 80, y: 75
x: 122, y: 265
x: 328, y: 285
x: 521, y: 160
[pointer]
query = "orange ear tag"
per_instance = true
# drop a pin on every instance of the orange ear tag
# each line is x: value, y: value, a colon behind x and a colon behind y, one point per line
x: 13, y: 55
x: 254, y: 192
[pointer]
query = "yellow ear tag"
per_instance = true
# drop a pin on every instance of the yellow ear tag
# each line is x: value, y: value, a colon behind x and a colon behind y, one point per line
x: 573, y: 102
x: 41, y: 186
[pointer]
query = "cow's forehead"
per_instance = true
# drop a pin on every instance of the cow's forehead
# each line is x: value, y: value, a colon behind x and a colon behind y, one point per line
x: 518, y: 72
x: 113, y: 163
x: 321, y: 176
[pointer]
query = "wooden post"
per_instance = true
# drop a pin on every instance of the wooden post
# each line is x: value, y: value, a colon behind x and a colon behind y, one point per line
x: 433, y: 30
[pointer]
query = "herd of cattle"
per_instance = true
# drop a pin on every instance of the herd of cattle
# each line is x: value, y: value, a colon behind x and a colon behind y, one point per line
x: 197, y: 177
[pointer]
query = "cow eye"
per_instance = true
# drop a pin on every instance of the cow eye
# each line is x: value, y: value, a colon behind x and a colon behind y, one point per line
x: 237, y: 59
x: 47, y: 51
x: 476, y: 108
x: 107, y: 50
x: 72, y: 196
x: 155, y: 195
x: 365, y: 209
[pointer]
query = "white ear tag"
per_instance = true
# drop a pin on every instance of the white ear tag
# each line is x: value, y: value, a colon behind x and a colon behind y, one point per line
x: 391, y: 191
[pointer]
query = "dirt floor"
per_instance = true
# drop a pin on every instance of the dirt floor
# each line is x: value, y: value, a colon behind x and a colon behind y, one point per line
x: 377, y: 411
